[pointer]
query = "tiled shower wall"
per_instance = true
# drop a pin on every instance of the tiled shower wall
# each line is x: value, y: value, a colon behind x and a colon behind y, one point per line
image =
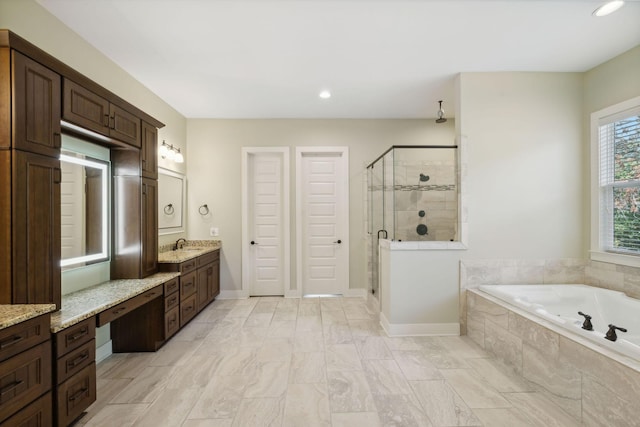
x: 437, y: 197
x: 474, y: 273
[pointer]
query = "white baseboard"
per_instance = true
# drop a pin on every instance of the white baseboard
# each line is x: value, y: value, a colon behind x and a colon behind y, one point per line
x: 233, y: 295
x: 418, y: 329
x: 104, y: 351
x: 356, y: 293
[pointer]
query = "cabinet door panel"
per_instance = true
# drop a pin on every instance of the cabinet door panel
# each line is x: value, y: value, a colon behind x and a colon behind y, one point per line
x: 76, y: 394
x: 6, y: 256
x: 214, y: 285
x: 149, y: 151
x: 36, y: 229
x: 149, y: 218
x: 36, y: 114
x: 124, y: 126
x: 202, y: 285
x: 85, y: 108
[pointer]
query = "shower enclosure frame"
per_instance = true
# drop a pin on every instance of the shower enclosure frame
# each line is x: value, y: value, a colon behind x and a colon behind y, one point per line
x: 384, y: 225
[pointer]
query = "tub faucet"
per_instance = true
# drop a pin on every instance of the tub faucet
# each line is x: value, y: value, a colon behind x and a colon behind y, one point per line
x: 180, y: 240
x: 587, y: 321
x: 611, y: 333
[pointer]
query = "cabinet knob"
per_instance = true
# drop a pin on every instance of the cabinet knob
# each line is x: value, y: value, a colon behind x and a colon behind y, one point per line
x: 338, y: 241
x: 254, y: 243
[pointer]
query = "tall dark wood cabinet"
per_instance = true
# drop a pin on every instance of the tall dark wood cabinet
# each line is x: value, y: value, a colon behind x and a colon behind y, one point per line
x: 149, y: 151
x: 149, y: 227
x: 30, y: 181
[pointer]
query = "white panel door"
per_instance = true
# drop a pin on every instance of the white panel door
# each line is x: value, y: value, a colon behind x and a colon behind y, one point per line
x: 324, y: 223
x: 265, y: 224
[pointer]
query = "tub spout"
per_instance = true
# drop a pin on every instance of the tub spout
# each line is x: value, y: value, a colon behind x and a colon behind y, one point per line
x: 587, y: 321
x: 611, y: 333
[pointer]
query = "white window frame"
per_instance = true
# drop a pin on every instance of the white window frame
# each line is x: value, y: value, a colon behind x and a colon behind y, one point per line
x: 597, y: 253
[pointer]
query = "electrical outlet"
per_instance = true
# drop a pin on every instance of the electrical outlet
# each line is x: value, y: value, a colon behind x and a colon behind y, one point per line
x: 214, y: 231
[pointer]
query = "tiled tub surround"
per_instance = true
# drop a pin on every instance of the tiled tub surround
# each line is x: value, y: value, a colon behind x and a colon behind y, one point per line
x: 474, y: 273
x: 12, y: 314
x: 83, y: 304
x: 593, y: 384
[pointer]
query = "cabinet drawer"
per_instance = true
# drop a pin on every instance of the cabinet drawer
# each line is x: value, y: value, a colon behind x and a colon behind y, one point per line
x: 129, y: 305
x: 73, y: 362
x: 171, y: 322
x: 74, y: 336
x: 76, y: 394
x: 24, y: 378
x: 188, y: 266
x: 188, y: 309
x: 171, y: 301
x: 171, y: 286
x: 187, y: 285
x: 38, y: 414
x: 17, y: 338
x: 208, y: 258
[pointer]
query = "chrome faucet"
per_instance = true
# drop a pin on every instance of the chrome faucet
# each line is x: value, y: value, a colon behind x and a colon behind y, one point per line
x: 183, y: 240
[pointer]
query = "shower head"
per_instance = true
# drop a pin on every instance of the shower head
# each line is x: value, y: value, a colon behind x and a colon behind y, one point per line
x: 440, y: 118
x: 424, y: 178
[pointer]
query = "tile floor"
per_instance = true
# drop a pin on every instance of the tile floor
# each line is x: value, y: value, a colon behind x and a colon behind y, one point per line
x: 311, y: 362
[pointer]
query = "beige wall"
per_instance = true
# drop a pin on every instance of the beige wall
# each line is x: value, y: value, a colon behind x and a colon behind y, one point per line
x: 525, y: 167
x: 214, y: 173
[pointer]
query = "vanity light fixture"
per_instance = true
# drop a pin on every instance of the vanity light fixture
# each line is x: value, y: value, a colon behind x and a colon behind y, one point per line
x: 608, y: 8
x: 325, y: 94
x: 168, y: 151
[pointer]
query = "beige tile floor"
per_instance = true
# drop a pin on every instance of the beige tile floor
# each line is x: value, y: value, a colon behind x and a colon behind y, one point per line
x: 311, y: 362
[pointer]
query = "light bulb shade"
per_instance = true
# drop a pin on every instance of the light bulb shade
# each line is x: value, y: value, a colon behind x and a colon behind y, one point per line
x: 163, y: 150
x: 608, y: 8
x: 179, y: 158
x: 171, y: 155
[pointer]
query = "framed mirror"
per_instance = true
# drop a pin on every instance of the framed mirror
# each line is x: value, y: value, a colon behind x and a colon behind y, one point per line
x: 172, y: 190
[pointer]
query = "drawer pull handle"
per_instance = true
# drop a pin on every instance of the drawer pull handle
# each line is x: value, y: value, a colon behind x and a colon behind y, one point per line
x: 172, y: 300
x: 120, y: 310
x: 189, y: 308
x: 11, y: 341
x: 151, y: 294
x: 75, y: 336
x: 10, y: 386
x: 75, y: 362
x: 78, y: 394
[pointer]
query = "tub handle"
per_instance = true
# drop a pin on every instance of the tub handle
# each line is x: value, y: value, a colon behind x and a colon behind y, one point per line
x: 611, y: 333
x: 587, y: 321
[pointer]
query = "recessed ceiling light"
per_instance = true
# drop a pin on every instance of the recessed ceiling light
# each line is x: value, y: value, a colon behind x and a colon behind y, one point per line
x: 325, y: 94
x: 608, y: 8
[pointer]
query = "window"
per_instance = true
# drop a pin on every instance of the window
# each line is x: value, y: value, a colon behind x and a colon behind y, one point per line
x: 616, y: 135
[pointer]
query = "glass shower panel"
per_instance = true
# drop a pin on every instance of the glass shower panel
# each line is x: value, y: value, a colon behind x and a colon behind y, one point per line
x: 376, y: 219
x: 388, y: 196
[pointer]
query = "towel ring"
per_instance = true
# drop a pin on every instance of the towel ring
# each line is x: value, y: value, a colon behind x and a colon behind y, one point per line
x: 168, y: 210
x: 203, y: 210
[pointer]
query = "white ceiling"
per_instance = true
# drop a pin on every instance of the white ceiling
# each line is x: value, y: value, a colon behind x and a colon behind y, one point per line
x: 379, y: 58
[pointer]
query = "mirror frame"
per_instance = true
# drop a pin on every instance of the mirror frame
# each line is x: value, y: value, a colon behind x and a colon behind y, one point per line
x: 161, y: 200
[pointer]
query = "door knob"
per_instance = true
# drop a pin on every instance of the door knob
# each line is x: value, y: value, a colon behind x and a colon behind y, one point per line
x: 253, y: 243
x: 338, y: 241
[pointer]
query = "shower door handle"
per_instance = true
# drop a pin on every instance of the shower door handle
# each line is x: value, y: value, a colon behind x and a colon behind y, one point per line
x: 254, y: 243
x: 338, y: 241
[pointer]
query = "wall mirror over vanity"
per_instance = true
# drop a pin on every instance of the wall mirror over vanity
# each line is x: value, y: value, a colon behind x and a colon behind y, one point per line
x: 172, y: 190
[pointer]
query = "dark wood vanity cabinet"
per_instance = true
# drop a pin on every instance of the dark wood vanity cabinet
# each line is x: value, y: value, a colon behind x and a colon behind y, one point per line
x: 30, y: 137
x: 25, y: 373
x: 199, y: 283
x: 135, y: 235
x: 84, y: 108
x: 74, y: 363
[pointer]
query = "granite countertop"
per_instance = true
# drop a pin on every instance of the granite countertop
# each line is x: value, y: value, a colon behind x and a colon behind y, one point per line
x: 12, y: 314
x: 88, y: 302
x: 192, y: 249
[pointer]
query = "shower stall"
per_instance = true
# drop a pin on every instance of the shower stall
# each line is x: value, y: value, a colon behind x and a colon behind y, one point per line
x: 412, y: 194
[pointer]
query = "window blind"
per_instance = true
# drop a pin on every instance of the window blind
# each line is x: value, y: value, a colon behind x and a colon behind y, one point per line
x: 619, y: 141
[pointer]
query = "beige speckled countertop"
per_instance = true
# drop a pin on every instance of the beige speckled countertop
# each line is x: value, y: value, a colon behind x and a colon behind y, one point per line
x: 12, y: 314
x: 83, y: 304
x: 192, y: 249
